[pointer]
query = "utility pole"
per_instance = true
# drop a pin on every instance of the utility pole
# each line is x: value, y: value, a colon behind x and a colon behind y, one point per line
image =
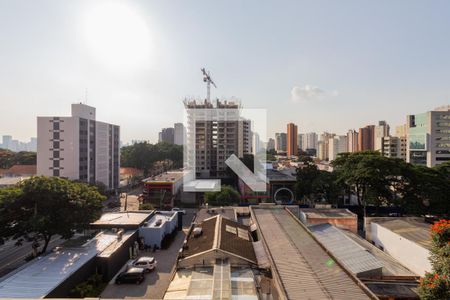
x: 207, y: 78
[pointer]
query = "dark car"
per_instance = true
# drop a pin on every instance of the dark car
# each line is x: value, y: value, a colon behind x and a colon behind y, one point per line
x: 132, y: 275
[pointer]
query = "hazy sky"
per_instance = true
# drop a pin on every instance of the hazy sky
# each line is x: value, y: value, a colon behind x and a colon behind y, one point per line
x: 325, y: 65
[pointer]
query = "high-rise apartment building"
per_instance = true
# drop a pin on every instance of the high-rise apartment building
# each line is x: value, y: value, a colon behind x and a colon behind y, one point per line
x: 300, y: 141
x: 394, y: 147
x: 179, y: 134
x: 381, y: 131
x: 336, y: 145
x: 323, y: 146
x: 281, y: 142
x: 352, y: 141
x: 270, y: 144
x: 366, y: 138
x: 215, y: 140
x: 167, y: 135
x: 79, y: 147
x: 428, y: 136
x: 292, y: 133
x: 401, y: 131
x: 310, y: 141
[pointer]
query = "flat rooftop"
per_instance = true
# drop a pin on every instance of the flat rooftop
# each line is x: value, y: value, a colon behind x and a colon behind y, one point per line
x: 163, y: 216
x: 328, y: 213
x: 134, y: 218
x: 300, y: 264
x: 166, y: 177
x: 413, y: 229
x: 42, y: 275
x: 275, y: 175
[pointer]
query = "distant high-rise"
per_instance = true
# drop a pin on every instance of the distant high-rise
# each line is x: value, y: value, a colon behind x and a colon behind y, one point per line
x: 336, y: 145
x: 352, y: 141
x: 300, y: 141
x: 6, y: 141
x: 270, y: 144
x: 167, y: 135
x: 381, y: 131
x: 401, y: 131
x: 179, y: 134
x: 394, y: 147
x: 366, y: 138
x: 79, y: 147
x: 292, y: 146
x: 310, y: 141
x: 281, y: 142
x: 428, y: 137
x: 323, y: 145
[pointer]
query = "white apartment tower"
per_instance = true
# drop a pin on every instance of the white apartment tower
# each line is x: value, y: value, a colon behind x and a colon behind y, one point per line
x: 336, y: 145
x: 179, y: 134
x: 79, y: 147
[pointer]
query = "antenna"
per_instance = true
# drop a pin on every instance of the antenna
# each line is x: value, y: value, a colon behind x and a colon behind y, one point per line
x: 207, y: 78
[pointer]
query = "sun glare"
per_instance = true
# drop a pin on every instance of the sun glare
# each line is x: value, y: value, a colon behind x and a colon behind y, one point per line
x: 117, y: 35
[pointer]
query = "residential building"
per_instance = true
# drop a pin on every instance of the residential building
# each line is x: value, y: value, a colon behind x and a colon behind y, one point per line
x: 428, y: 137
x: 270, y: 144
x: 310, y: 141
x: 292, y: 146
x: 248, y: 141
x: 352, y: 140
x: 14, y: 145
x: 381, y: 131
x: 281, y: 142
x: 394, y: 147
x: 179, y: 134
x: 300, y: 141
x: 167, y: 135
x: 215, y: 131
x: 6, y: 142
x: 366, y: 138
x: 79, y: 147
x: 323, y: 145
x: 336, y: 145
x: 401, y: 131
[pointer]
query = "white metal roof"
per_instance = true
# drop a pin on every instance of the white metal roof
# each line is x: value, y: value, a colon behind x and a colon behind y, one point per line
x: 39, y: 277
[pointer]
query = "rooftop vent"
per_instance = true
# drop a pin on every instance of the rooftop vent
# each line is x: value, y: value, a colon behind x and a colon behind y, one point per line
x: 197, y: 231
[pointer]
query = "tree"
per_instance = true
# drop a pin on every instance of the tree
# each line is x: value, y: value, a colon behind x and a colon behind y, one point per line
x: 41, y: 207
x: 436, y: 284
x: 307, y: 173
x: 9, y: 158
x: 227, y: 196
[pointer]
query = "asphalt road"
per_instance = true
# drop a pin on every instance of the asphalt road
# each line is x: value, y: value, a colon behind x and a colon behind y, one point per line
x: 12, y: 257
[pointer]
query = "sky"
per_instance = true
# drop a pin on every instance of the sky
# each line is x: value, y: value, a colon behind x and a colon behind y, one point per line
x: 324, y: 65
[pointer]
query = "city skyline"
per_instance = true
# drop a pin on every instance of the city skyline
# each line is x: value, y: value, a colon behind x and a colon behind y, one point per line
x: 296, y: 74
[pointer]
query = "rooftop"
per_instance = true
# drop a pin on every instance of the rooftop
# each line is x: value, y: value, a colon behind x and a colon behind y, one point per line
x: 8, y: 181
x: 275, y: 175
x: 353, y: 256
x: 328, y: 213
x: 166, y: 177
x: 219, y: 233
x: 413, y: 229
x: 135, y: 218
x: 226, y: 212
x: 44, y: 274
x: 299, y: 263
x: 159, y: 218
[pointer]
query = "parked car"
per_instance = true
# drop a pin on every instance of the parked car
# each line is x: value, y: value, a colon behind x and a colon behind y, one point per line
x: 132, y: 275
x: 181, y: 211
x: 145, y: 262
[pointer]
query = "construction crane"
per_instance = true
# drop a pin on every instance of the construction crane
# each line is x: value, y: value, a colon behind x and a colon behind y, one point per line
x: 207, y: 78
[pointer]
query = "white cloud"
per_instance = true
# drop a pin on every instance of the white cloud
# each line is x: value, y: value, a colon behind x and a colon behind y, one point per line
x: 309, y: 93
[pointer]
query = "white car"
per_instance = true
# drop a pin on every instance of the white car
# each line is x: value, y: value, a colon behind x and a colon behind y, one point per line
x: 145, y: 262
x: 181, y: 211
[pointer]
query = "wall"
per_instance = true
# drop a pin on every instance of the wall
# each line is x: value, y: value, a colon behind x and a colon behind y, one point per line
x: 410, y: 254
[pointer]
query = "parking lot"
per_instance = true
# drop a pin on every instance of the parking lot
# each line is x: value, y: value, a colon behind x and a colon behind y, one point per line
x: 157, y: 281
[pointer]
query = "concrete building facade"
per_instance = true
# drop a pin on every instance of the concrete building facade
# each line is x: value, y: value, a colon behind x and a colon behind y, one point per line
x: 381, y: 131
x: 79, y: 147
x: 352, y: 141
x: 366, y: 138
x: 281, y: 142
x: 428, y: 137
x: 179, y: 134
x: 336, y: 145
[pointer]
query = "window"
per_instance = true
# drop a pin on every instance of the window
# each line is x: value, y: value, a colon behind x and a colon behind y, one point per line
x: 56, y: 135
x: 55, y: 145
x: 55, y: 125
x: 55, y: 154
x: 56, y: 164
x: 56, y: 172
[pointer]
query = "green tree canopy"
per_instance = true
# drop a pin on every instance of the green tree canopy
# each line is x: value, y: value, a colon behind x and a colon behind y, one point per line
x: 9, y: 158
x: 227, y: 196
x: 42, y: 207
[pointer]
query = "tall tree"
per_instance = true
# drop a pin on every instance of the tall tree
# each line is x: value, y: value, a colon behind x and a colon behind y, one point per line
x: 42, y: 207
x: 226, y: 196
x: 307, y: 174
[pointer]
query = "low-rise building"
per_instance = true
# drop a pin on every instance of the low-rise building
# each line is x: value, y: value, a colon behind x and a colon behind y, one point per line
x: 161, y: 190
x: 394, y: 235
x: 122, y: 220
x: 162, y: 224
x: 339, y: 217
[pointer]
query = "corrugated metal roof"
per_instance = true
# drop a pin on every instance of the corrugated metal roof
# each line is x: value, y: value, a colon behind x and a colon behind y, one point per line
x: 412, y: 229
x: 354, y: 257
x: 391, y: 267
x: 305, y: 270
